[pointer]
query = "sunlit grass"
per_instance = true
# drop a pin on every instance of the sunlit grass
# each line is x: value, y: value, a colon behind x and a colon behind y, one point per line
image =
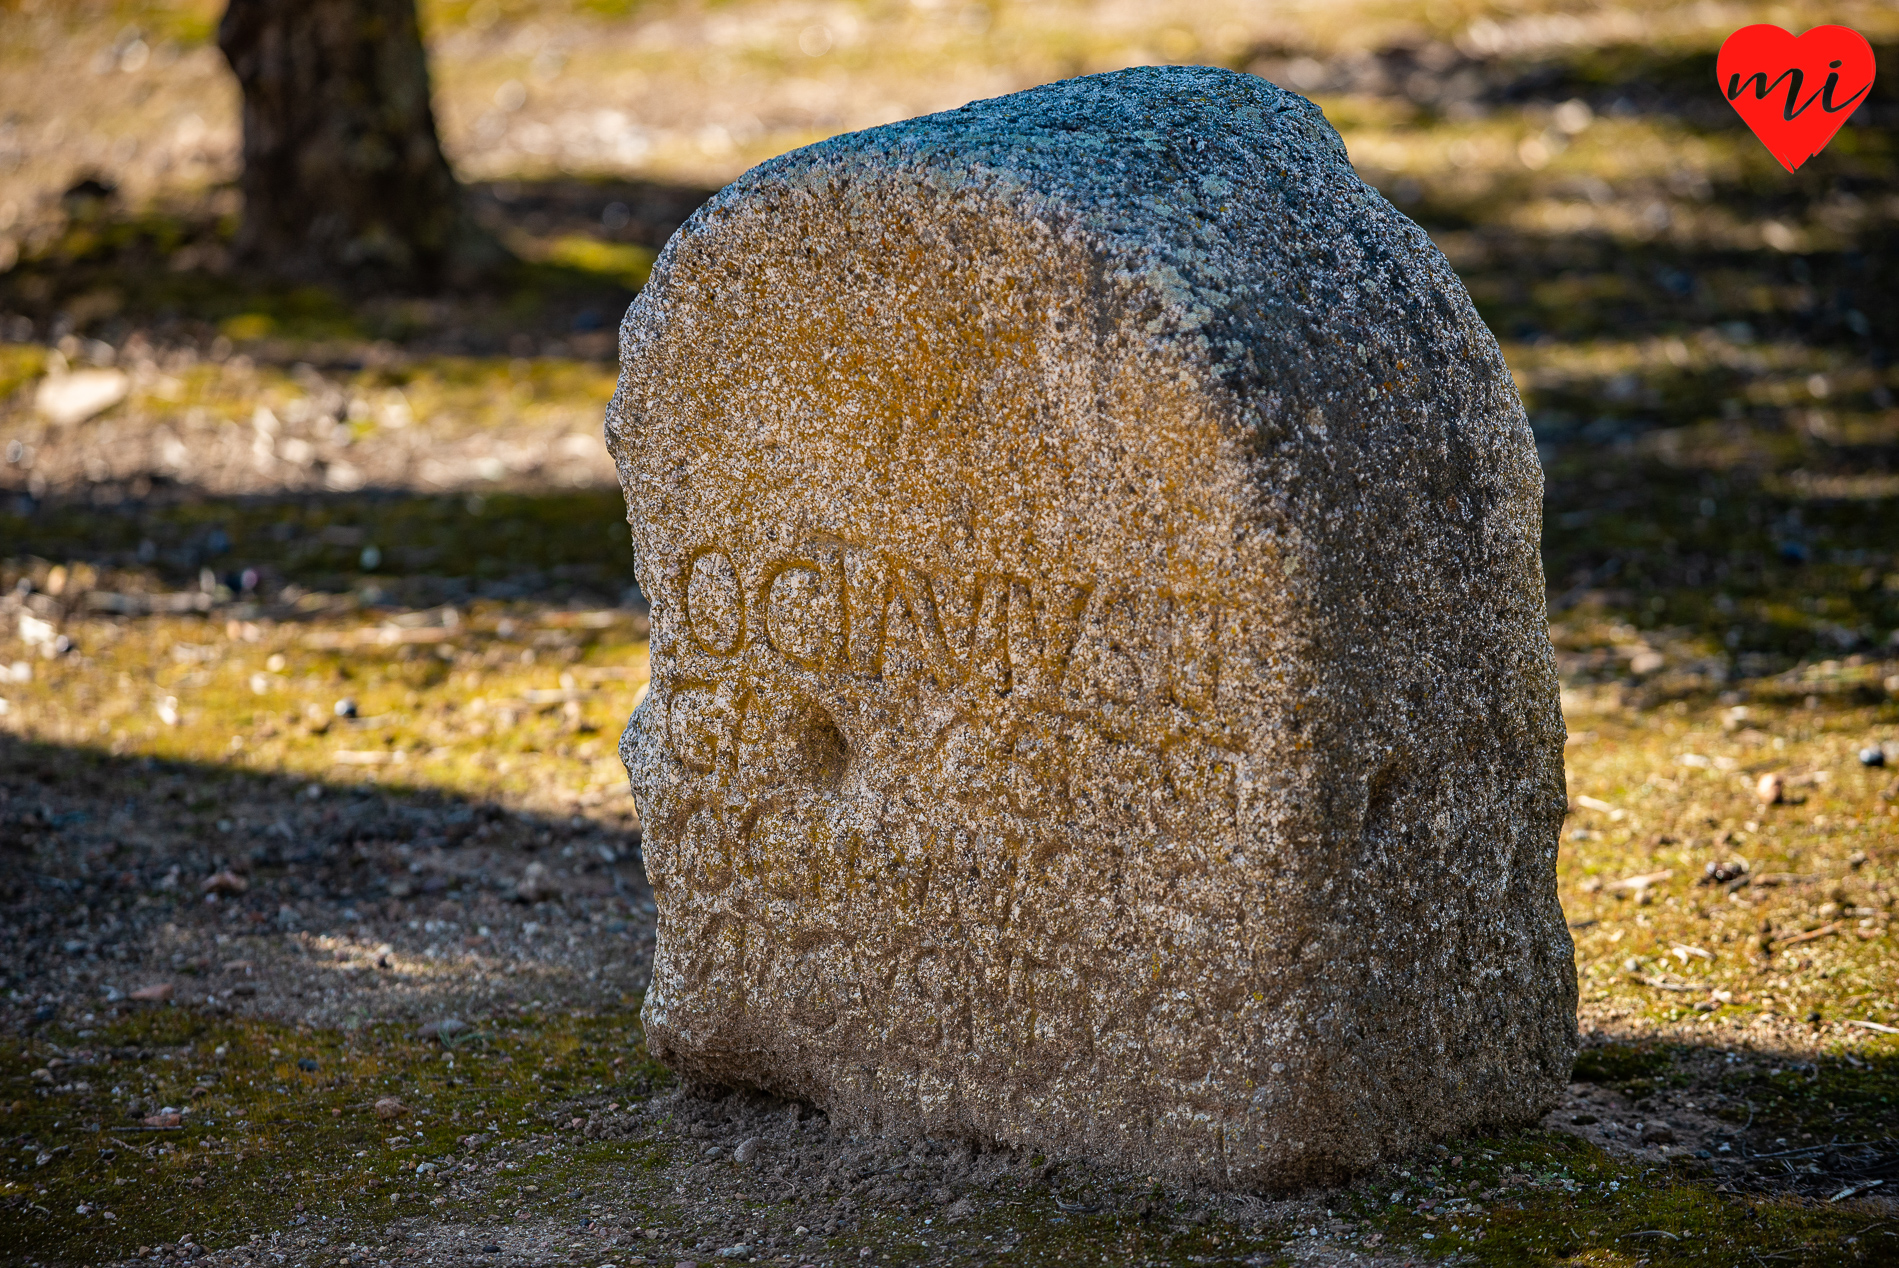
x: 617, y: 262
x: 1672, y: 793
x: 448, y: 395
x: 511, y: 704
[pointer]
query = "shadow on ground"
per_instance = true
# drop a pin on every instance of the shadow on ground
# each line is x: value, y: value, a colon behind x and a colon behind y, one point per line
x: 298, y: 1002
x: 583, y: 246
x: 408, y: 547
x: 1707, y: 368
x: 1705, y: 533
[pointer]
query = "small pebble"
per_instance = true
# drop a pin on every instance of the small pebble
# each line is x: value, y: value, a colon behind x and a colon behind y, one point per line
x: 1872, y: 756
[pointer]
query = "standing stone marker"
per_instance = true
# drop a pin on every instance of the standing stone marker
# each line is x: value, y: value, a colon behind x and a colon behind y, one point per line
x: 1101, y: 696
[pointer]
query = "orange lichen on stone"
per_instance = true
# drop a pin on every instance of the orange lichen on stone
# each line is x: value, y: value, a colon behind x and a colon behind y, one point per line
x: 1101, y: 693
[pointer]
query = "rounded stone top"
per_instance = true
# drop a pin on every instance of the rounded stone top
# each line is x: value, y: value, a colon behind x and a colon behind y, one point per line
x: 1088, y: 533
x: 1126, y: 153
x: 1215, y: 212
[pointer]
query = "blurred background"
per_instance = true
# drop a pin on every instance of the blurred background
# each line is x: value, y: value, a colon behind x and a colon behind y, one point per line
x: 317, y: 617
x: 1702, y: 339
x: 241, y: 481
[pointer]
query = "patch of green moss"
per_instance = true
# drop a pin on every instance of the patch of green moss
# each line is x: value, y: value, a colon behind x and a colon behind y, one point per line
x: 20, y: 364
x: 279, y: 1121
x: 440, y: 16
x: 1830, y: 1099
x: 1533, y: 1198
x: 619, y: 262
x: 306, y: 312
x: 1619, y: 1063
x: 1548, y: 1198
x: 282, y: 1126
x: 1033, y: 1226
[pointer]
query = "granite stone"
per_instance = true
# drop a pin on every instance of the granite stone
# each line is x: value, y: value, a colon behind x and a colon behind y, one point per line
x: 1101, y: 694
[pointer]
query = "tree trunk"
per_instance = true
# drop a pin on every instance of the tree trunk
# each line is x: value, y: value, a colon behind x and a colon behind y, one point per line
x: 343, y: 178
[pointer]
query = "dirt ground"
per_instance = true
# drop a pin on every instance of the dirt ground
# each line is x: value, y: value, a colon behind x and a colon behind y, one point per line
x: 323, y: 923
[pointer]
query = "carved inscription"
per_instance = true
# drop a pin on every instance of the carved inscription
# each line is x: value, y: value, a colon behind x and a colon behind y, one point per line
x: 851, y: 610
x: 714, y: 605
x: 1008, y: 687
x: 799, y: 613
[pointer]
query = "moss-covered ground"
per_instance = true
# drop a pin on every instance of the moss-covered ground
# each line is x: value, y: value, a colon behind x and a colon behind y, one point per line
x: 282, y: 1131
x: 283, y: 1120
x: 309, y: 498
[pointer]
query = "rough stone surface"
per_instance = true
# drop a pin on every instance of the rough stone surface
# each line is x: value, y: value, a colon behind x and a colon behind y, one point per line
x: 1101, y: 693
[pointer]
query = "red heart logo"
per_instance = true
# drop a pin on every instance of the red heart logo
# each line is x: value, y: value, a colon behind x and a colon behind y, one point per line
x: 1795, y: 93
